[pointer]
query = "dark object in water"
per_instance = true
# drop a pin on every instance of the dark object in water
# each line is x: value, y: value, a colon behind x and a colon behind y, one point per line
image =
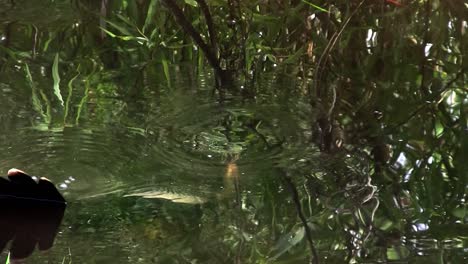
x: 20, y: 185
x: 31, y: 212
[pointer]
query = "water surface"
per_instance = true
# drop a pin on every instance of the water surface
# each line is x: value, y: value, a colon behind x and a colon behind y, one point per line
x: 158, y: 167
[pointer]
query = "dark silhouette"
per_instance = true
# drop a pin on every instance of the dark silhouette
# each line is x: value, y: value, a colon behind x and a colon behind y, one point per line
x: 31, y: 212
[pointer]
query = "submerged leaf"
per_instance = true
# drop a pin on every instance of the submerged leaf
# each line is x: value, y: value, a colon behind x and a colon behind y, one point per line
x: 288, y: 241
x: 171, y: 196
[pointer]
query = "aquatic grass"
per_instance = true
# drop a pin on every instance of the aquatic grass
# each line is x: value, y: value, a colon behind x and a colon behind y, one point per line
x: 316, y: 6
x: 165, y: 65
x: 56, y: 78
x: 10, y: 52
x: 36, y: 102
x: 69, y: 256
x: 122, y: 29
x: 70, y: 92
x: 150, y: 14
x: 48, y: 114
x: 83, y: 101
x: 127, y: 34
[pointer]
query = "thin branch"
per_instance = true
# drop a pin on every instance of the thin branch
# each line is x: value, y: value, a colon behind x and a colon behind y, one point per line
x: 195, y: 35
x: 422, y: 67
x: 323, y: 58
x: 209, y: 23
x: 297, y: 203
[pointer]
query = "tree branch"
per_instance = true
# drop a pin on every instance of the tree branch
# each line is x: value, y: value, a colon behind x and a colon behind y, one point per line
x: 195, y: 35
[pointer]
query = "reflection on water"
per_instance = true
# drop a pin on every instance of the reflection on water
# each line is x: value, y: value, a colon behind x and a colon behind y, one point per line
x: 157, y: 169
x: 153, y: 184
x: 184, y: 179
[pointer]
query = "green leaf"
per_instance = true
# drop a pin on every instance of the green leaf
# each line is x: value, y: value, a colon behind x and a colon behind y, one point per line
x: 288, y: 241
x: 397, y: 253
x: 70, y: 92
x: 125, y: 38
x: 126, y: 20
x: 271, y: 57
x: 47, y: 116
x: 9, y: 52
x: 108, y: 32
x: 56, y: 77
x: 36, y: 101
x: 119, y: 28
x: 149, y: 14
x: 83, y: 101
x: 295, y: 57
x: 315, y: 6
x: 459, y: 212
x: 265, y: 18
x: 166, y: 71
x: 191, y: 2
x: 439, y: 128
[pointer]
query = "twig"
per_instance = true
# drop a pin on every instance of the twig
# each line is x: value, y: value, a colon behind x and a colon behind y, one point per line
x: 323, y: 58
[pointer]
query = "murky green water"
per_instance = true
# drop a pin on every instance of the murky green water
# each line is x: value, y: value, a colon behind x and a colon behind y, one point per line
x: 156, y: 168
x: 155, y: 179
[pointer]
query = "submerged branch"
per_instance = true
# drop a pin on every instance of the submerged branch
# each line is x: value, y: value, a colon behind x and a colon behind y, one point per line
x: 297, y: 203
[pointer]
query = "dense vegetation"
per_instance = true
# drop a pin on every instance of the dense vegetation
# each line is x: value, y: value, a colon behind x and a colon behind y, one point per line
x: 375, y: 93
